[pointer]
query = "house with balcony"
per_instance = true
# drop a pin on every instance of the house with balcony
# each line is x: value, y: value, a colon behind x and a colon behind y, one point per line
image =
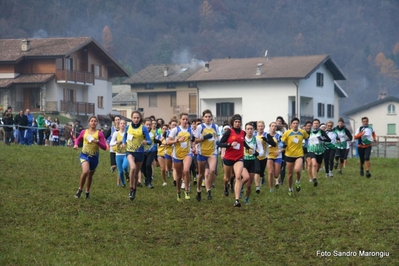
x: 69, y: 76
x: 264, y: 88
x: 163, y: 90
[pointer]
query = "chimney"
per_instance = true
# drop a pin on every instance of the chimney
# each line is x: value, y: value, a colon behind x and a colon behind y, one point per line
x: 382, y: 95
x: 165, y: 71
x: 25, y: 45
x: 259, y: 70
x: 207, y: 67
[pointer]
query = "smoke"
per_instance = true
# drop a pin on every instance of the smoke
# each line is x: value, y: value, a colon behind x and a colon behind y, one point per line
x: 40, y: 34
x: 185, y: 57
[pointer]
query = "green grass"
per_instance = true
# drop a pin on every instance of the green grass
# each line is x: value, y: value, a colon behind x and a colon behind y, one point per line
x: 43, y: 224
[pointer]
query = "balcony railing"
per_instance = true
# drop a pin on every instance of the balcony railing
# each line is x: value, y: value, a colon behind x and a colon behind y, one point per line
x: 74, y: 76
x: 78, y: 108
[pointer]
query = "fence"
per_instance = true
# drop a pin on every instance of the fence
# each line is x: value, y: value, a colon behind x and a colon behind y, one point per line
x: 385, y: 147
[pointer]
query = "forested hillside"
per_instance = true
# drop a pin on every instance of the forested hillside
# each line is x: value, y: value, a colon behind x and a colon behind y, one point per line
x: 362, y: 36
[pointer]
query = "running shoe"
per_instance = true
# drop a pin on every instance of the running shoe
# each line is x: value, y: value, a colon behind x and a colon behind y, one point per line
x: 178, y: 197
x: 327, y: 176
x: 87, y: 195
x: 310, y: 180
x: 195, y: 181
x: 315, y: 182
x: 271, y: 190
x: 361, y: 172
x: 368, y: 174
x: 78, y: 193
x: 298, y: 187
x: 213, y: 185
x: 290, y: 193
x: 257, y: 191
x: 340, y: 171
x: 139, y: 184
x: 132, y: 194
x: 226, y: 190
x: 330, y: 174
x: 183, y: 186
x: 246, y: 200
x: 242, y: 191
x: 237, y: 203
x: 174, y: 182
x: 164, y: 184
x: 150, y: 185
x: 123, y: 185
x: 335, y: 165
x: 112, y: 169
x: 209, y: 196
x: 263, y: 181
x: 198, y: 197
x: 127, y: 176
x: 277, y: 185
x: 203, y: 183
x: 187, y: 195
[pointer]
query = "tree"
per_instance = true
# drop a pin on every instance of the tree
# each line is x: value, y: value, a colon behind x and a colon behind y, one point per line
x: 107, y: 40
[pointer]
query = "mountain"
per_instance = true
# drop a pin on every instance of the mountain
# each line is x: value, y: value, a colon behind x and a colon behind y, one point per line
x: 361, y: 36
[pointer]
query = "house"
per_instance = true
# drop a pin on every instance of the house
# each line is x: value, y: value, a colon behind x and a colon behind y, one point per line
x: 264, y: 88
x: 382, y: 116
x: 123, y: 100
x: 162, y: 90
x: 70, y: 76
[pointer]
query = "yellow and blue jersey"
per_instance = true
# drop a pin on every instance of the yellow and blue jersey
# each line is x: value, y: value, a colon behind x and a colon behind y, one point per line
x: 293, y: 141
x: 183, y: 148
x: 207, y: 147
x: 134, y: 137
x: 89, y: 147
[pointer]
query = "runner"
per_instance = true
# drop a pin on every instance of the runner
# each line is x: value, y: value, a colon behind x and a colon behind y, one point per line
x: 343, y: 135
x: 120, y: 154
x: 93, y: 139
x: 292, y: 140
x: 316, y: 149
x: 161, y: 140
x: 182, y: 156
x: 206, y: 135
x: 274, y: 158
x: 329, y: 153
x: 365, y: 136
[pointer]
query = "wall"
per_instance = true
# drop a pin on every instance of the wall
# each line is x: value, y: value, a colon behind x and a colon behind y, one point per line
x: 254, y: 100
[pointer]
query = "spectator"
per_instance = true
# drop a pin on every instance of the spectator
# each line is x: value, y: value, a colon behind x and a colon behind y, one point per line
x: 21, y: 120
x: 41, y: 127
x: 55, y: 133
x: 8, y: 127
x: 47, y: 138
x: 29, y: 130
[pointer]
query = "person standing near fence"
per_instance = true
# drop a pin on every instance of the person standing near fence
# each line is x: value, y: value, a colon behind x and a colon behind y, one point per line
x: 29, y: 130
x: 365, y: 136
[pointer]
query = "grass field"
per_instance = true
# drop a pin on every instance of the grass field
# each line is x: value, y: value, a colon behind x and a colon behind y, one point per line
x: 43, y: 224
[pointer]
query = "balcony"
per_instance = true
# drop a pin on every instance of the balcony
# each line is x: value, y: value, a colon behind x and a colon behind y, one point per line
x: 74, y: 77
x: 77, y: 108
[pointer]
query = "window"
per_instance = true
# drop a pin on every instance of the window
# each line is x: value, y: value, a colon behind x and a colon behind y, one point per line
x: 224, y: 109
x: 391, y: 109
x: 391, y: 129
x: 152, y: 101
x: 96, y: 69
x: 100, y: 102
x: 192, y: 103
x: 69, y: 63
x: 320, y: 109
x: 69, y: 95
x: 149, y: 86
x: 330, y: 110
x: 170, y: 85
x: 320, y: 80
x: 173, y: 100
x: 192, y: 85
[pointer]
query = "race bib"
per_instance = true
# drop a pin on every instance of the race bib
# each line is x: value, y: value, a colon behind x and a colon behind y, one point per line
x: 89, y: 138
x: 295, y: 140
x: 129, y: 136
x: 237, y: 147
x: 183, y: 145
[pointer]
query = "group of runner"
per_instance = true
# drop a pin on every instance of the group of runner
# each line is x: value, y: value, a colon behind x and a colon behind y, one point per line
x: 193, y: 147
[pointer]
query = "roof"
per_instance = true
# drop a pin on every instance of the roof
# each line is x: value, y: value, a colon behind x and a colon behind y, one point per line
x: 372, y: 104
x: 25, y: 79
x: 295, y: 67
x: 11, y: 53
x: 124, y: 97
x: 155, y: 73
x: 341, y: 93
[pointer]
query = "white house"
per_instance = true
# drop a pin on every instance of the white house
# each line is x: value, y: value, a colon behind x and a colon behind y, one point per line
x: 382, y: 115
x: 264, y: 88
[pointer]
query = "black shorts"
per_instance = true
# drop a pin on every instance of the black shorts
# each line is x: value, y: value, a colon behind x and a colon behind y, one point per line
x: 261, y: 167
x: 250, y: 165
x: 230, y: 162
x: 292, y: 159
x: 318, y: 157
